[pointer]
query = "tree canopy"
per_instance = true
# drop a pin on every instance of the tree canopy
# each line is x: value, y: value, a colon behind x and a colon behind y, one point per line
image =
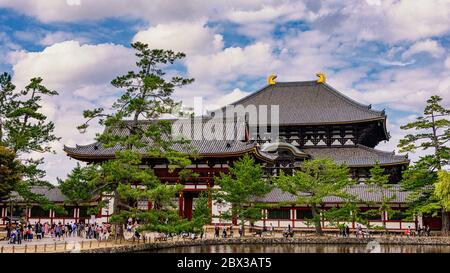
x: 240, y: 187
x: 315, y: 180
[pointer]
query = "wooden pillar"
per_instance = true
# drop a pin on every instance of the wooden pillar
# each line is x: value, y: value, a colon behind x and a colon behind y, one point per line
x: 188, y: 205
x: 180, y: 205
x: 264, y: 214
x: 293, y: 216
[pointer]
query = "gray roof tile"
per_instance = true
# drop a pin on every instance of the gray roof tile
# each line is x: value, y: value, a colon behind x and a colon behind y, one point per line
x: 52, y: 194
x: 207, y: 146
x: 365, y: 193
x: 310, y: 103
x: 357, y: 156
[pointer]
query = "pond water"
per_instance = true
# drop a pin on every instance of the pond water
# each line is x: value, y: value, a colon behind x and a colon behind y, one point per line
x: 372, y: 247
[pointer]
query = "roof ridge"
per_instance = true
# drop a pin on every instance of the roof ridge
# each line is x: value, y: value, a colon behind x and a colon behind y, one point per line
x: 270, y: 85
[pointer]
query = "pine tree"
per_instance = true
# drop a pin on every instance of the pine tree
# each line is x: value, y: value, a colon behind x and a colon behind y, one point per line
x: 134, y: 125
x: 24, y: 129
x: 239, y: 187
x: 432, y: 130
x: 315, y: 180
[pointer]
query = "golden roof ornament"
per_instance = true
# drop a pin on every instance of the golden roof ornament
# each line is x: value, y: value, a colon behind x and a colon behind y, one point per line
x: 271, y: 79
x: 322, y: 78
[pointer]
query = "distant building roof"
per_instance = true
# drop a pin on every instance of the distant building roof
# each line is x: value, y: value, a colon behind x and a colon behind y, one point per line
x: 52, y: 194
x: 309, y: 102
x: 357, y: 156
x: 364, y: 193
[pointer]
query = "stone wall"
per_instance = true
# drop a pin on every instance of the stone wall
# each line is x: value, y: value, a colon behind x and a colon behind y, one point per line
x: 298, y: 240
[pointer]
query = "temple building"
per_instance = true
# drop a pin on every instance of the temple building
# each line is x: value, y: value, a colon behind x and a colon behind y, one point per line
x: 314, y: 120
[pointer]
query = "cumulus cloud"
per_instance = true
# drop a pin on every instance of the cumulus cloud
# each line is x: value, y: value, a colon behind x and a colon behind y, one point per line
x: 233, y: 62
x: 188, y: 37
x: 68, y: 64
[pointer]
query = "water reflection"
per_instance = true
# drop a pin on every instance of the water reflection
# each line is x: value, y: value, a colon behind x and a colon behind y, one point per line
x: 309, y: 248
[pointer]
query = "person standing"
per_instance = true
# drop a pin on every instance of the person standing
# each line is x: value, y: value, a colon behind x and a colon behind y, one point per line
x: 216, y: 231
x: 20, y: 234
x: 8, y: 230
x: 45, y: 229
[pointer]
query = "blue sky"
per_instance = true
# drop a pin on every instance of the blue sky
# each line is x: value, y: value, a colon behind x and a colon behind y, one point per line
x: 391, y: 54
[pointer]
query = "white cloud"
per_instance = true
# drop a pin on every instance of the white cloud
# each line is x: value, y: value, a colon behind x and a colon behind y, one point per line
x: 188, y: 37
x: 447, y: 62
x: 156, y: 11
x: 233, y: 62
x: 61, y: 10
x: 67, y: 64
x: 231, y: 97
x: 284, y: 11
x: 391, y: 21
x: 430, y: 46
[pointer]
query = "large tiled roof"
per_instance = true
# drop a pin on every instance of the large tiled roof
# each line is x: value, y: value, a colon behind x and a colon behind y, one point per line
x: 356, y: 156
x: 310, y: 102
x: 204, y: 147
x: 364, y: 193
x: 52, y: 194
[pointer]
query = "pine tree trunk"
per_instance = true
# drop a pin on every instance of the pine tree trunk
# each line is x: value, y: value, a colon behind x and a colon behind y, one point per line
x: 445, y: 223
x: 316, y: 219
x: 116, y: 202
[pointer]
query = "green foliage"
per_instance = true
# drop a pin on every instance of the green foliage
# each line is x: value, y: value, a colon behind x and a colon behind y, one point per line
x: 10, y: 171
x: 146, y: 96
x: 420, y: 179
x: 201, y: 215
x: 432, y: 131
x: 316, y: 180
x: 239, y: 187
x: 442, y: 189
x: 28, y: 129
x: 380, y: 182
x: 79, y: 186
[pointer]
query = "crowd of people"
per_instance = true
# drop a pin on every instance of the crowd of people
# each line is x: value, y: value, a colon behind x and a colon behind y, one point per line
x: 227, y: 231
x: 20, y: 232
x: 419, y: 231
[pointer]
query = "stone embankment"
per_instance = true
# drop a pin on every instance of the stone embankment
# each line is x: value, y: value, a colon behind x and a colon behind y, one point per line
x: 299, y: 240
